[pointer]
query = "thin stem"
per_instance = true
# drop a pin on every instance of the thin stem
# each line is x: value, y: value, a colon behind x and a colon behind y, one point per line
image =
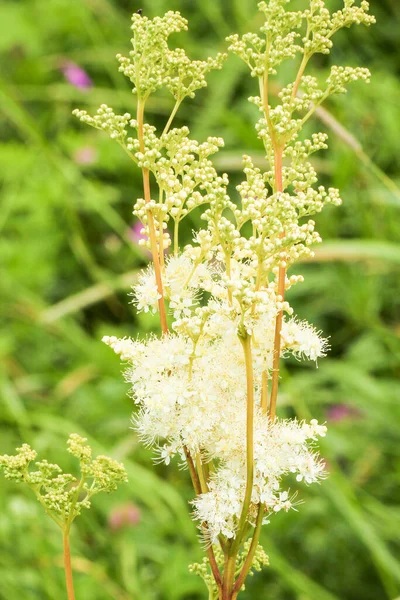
x: 202, y: 475
x: 197, y: 488
x: 192, y: 470
x: 229, y: 274
x: 300, y: 74
x: 246, y: 343
x: 264, y: 392
x: 304, y: 62
x: 264, y: 90
x: 67, y: 566
x: 229, y: 576
x: 161, y: 230
x: 313, y: 109
x: 169, y: 122
x: 78, y: 490
x: 176, y: 237
x: 281, y: 295
x: 150, y: 222
x: 249, y: 559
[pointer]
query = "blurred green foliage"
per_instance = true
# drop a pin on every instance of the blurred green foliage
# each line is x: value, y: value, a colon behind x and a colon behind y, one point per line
x: 68, y: 257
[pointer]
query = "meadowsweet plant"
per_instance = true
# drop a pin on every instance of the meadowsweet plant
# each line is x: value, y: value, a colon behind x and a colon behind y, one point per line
x: 206, y: 389
x: 62, y: 495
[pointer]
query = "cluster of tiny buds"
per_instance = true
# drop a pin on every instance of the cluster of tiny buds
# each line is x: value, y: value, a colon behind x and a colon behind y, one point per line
x: 260, y: 560
x: 152, y: 64
x: 56, y: 490
x: 340, y: 76
x: 322, y: 25
x: 106, y: 120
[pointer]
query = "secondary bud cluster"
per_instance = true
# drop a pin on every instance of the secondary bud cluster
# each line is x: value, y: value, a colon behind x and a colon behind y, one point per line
x: 106, y: 120
x: 61, y: 494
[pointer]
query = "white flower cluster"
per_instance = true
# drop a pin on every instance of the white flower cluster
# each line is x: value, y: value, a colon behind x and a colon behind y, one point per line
x: 340, y: 76
x: 282, y: 449
x: 193, y: 396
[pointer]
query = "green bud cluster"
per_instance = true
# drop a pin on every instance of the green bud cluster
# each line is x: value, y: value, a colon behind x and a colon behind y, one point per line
x: 203, y: 570
x: 184, y: 174
x: 106, y: 120
x: 152, y: 65
x: 62, y: 495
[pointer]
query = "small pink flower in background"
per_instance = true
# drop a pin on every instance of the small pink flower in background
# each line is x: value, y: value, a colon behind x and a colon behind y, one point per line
x: 135, y: 234
x: 341, y: 412
x: 75, y: 75
x: 85, y: 156
x: 125, y: 515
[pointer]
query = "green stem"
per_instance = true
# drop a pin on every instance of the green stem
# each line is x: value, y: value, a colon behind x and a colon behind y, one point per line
x: 229, y: 576
x: 150, y: 222
x: 169, y: 123
x: 197, y: 488
x: 300, y: 74
x: 245, y: 340
x: 74, y: 501
x: 202, y: 475
x: 249, y: 559
x: 176, y: 237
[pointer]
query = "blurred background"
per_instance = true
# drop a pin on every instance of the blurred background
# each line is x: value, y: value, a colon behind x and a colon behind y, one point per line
x: 69, y: 253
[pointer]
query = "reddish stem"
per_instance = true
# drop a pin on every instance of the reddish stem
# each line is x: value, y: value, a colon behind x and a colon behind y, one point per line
x: 281, y: 293
x: 68, y: 569
x: 150, y: 222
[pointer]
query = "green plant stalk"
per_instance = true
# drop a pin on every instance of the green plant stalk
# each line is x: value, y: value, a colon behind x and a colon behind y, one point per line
x: 246, y: 343
x: 171, y: 118
x: 67, y: 565
x: 210, y: 552
x: 150, y: 220
x: 232, y: 551
x: 229, y: 576
x: 249, y: 559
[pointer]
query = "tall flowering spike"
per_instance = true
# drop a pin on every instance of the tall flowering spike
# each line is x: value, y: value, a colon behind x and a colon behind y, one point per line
x: 207, y: 391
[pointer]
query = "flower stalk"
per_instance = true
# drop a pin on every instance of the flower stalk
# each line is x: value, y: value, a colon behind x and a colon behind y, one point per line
x: 208, y: 390
x: 67, y: 566
x: 150, y: 221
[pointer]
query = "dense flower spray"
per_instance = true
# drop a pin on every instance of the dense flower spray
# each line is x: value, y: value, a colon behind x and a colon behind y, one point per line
x: 207, y: 390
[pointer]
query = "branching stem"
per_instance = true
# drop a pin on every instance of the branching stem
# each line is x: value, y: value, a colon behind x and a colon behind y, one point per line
x: 249, y: 559
x: 174, y: 111
x: 150, y: 222
x: 197, y: 489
